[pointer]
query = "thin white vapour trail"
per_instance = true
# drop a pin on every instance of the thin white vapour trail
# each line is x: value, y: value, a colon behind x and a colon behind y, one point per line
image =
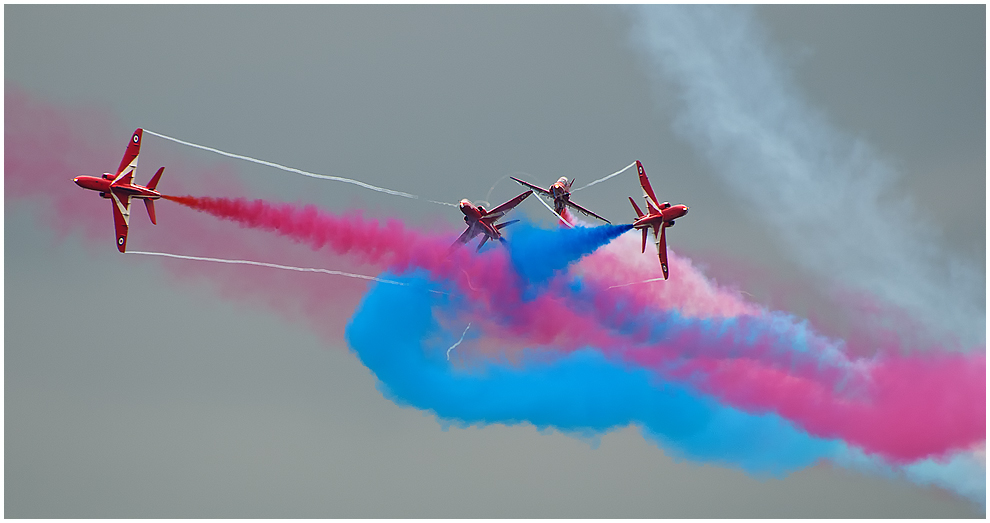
x: 273, y: 266
x: 299, y: 171
x: 569, y: 226
x: 635, y: 283
x: 489, y: 194
x: 600, y: 180
x: 458, y: 341
x: 742, y: 111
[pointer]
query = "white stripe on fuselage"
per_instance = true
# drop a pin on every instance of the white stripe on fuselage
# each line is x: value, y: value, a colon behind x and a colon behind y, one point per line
x: 130, y: 169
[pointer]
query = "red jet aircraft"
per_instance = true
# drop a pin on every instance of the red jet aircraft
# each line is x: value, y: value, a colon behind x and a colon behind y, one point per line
x: 560, y: 193
x: 481, y: 221
x: 120, y: 189
x: 661, y: 216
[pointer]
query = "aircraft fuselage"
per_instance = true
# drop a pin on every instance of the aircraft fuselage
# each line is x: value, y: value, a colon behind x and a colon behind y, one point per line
x: 561, y: 193
x: 473, y: 217
x: 668, y: 215
x: 104, y: 185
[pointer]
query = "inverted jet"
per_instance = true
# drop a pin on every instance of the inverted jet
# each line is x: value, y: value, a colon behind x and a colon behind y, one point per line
x: 481, y: 221
x: 120, y: 189
x: 560, y: 194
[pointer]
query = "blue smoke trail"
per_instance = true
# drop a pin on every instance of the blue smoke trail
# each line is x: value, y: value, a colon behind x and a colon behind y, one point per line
x: 582, y: 393
x: 783, y: 339
x: 538, y: 254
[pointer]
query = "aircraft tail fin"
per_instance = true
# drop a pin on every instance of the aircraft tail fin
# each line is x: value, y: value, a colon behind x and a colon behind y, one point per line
x: 154, y: 179
x: 150, y: 204
x: 639, y: 213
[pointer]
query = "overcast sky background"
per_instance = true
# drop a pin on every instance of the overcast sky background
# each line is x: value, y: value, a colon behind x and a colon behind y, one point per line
x: 218, y: 408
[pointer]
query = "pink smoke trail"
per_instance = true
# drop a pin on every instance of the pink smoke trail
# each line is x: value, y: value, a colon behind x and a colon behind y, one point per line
x: 903, y: 406
x: 915, y: 406
x: 690, y: 292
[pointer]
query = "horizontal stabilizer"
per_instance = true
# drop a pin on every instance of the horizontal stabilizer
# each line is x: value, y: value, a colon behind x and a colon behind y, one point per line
x: 150, y: 204
x: 154, y: 180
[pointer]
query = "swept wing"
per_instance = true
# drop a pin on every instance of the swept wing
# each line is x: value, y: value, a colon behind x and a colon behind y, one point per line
x: 121, y: 217
x: 500, y: 211
x: 586, y: 211
x: 536, y: 188
x: 651, y: 197
x: 128, y: 164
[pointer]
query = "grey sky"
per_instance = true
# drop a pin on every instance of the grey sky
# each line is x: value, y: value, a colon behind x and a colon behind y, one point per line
x: 228, y: 411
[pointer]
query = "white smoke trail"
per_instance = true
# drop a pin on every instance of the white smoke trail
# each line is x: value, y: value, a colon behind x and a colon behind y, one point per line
x: 299, y: 171
x: 825, y: 193
x: 963, y: 472
x: 458, y: 341
x: 600, y: 180
x: 275, y: 266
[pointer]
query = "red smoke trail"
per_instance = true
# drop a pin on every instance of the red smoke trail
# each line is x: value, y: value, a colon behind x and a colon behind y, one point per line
x: 489, y: 285
x: 46, y: 145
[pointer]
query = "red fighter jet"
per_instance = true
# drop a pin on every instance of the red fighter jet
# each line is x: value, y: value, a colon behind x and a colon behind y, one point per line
x: 661, y: 216
x: 560, y: 193
x: 120, y: 189
x: 480, y: 221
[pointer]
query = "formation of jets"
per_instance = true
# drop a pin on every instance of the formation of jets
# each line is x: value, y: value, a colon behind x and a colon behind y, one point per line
x: 121, y: 189
x: 659, y: 217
